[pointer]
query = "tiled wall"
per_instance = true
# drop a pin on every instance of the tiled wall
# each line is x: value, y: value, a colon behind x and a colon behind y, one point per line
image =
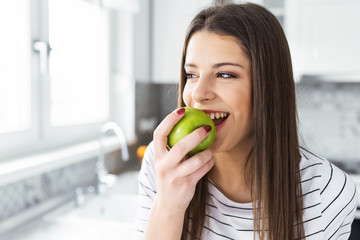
x: 153, y: 103
x: 329, y: 116
x: 25, y: 194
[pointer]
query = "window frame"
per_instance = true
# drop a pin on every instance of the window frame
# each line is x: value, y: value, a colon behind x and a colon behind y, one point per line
x: 41, y: 136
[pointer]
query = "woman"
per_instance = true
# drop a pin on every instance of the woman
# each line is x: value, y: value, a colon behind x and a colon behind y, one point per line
x: 254, y: 181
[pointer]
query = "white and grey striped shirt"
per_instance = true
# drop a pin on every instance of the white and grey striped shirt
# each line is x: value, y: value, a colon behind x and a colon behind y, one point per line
x: 330, y: 202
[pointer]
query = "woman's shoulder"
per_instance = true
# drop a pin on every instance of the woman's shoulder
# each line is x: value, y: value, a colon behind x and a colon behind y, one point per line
x: 329, y: 177
x: 147, y: 175
x: 148, y: 155
x: 329, y: 194
x: 313, y: 166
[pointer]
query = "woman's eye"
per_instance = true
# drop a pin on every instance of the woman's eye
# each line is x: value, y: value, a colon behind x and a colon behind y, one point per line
x: 226, y: 75
x: 190, y: 76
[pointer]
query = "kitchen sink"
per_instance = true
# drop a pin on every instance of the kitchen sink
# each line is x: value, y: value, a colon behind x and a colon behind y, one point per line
x: 113, y: 207
x: 110, y: 216
x: 118, y: 207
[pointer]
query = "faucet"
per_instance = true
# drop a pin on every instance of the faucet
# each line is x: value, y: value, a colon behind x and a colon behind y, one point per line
x: 104, y: 179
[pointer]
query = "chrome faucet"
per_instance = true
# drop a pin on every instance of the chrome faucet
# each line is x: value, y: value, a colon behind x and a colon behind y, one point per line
x: 104, y: 179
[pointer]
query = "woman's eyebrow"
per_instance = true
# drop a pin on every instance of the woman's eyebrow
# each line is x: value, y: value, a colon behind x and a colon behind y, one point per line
x: 190, y: 65
x: 217, y: 65
x: 227, y: 63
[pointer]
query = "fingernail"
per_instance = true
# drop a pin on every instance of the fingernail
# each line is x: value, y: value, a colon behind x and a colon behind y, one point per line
x: 180, y: 111
x: 207, y: 128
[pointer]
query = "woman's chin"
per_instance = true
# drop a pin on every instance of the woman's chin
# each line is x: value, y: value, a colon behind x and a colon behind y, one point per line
x: 215, y: 147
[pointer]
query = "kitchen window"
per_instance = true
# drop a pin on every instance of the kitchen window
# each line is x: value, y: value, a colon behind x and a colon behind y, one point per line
x: 54, y: 76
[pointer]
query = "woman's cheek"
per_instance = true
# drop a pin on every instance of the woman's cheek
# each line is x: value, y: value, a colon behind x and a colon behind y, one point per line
x: 187, y: 95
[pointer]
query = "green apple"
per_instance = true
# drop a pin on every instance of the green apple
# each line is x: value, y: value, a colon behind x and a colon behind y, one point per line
x: 193, y: 119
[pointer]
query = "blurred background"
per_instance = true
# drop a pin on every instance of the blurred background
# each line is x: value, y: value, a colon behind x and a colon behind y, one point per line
x: 83, y: 84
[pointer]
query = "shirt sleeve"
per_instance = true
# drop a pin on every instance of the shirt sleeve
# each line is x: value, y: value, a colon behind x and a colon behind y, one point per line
x: 339, y: 203
x: 147, y: 191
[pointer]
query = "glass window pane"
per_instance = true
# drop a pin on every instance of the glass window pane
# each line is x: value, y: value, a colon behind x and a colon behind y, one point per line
x: 78, y: 62
x: 14, y: 66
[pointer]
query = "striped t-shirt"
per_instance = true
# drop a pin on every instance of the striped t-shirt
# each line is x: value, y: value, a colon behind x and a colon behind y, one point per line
x: 330, y: 202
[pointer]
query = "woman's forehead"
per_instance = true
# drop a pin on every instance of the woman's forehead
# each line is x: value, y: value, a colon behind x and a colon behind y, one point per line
x: 213, y: 48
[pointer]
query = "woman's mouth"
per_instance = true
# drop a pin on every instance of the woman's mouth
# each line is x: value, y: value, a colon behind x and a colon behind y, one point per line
x: 218, y: 118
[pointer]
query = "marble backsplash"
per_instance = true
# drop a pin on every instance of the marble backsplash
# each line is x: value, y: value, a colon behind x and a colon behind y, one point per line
x: 20, y: 196
x: 329, y: 119
x: 153, y: 103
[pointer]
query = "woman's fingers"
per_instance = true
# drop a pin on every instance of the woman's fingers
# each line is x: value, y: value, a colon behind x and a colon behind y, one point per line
x: 195, y: 163
x: 185, y: 145
x: 164, y: 128
x: 199, y: 173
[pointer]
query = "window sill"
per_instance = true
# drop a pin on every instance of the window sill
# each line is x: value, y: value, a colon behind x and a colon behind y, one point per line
x: 29, y: 166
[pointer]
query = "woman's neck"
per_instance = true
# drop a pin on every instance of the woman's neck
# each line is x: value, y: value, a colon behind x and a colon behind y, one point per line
x: 232, y: 174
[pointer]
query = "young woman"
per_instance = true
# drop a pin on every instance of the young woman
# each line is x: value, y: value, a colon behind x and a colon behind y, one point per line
x: 255, y: 181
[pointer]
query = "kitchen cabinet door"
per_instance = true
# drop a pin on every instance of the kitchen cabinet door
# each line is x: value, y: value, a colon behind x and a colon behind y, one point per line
x: 324, y: 35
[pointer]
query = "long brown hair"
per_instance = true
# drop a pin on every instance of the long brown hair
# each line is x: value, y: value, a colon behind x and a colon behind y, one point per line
x: 275, y: 156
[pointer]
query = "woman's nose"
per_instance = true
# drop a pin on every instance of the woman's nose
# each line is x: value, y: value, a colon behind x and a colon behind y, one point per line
x: 203, y: 90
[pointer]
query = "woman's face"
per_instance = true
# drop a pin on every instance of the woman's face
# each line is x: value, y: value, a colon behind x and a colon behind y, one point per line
x: 219, y: 83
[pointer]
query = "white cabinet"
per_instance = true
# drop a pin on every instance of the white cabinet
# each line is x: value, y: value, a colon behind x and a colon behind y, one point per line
x: 170, y: 21
x: 324, y: 36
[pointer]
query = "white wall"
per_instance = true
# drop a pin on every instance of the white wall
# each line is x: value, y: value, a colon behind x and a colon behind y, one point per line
x: 122, y: 87
x: 141, y: 44
x: 158, y: 46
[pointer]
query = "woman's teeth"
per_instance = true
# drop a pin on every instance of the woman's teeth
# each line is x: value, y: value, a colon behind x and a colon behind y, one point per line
x: 217, y: 115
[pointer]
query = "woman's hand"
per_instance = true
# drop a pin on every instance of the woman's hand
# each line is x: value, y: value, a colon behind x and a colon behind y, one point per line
x: 177, y: 177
